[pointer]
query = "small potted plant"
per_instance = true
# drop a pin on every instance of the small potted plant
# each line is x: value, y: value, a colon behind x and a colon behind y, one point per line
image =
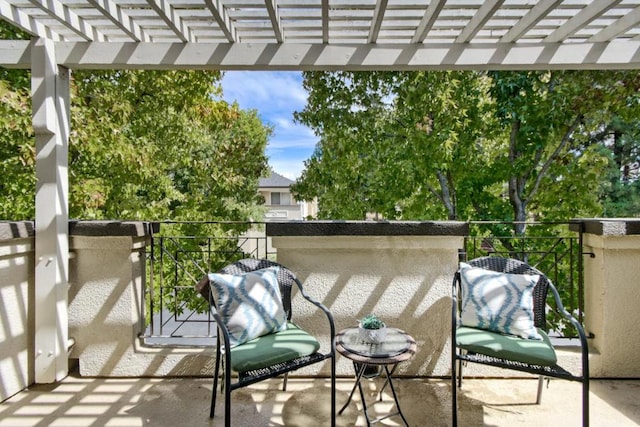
x: 372, y: 329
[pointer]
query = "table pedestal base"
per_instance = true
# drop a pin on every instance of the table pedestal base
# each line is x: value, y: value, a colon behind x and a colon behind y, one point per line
x: 360, y: 369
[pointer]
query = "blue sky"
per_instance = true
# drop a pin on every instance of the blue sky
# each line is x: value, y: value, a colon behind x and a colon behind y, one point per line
x: 275, y: 95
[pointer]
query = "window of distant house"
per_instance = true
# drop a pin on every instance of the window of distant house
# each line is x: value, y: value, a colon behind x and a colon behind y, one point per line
x: 280, y: 198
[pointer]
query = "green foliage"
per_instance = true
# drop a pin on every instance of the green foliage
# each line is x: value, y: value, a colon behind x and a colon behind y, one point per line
x: 353, y: 156
x: 553, y: 120
x: 144, y: 145
x: 464, y: 145
x: 157, y: 145
x: 17, y: 154
x: 371, y: 321
x: 379, y: 152
x: 620, y: 190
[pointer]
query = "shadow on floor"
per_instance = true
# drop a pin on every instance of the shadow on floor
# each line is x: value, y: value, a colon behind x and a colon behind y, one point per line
x: 140, y: 402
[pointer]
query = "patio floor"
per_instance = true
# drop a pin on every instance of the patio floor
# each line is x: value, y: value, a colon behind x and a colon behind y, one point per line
x: 132, y: 402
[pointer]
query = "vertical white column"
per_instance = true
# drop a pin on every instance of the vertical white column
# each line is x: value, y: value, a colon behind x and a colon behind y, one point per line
x: 50, y: 103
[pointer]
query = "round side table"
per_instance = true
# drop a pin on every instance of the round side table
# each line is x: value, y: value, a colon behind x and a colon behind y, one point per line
x: 397, y: 347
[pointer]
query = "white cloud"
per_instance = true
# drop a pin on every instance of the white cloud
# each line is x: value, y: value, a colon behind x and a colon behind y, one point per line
x: 285, y: 123
x: 289, y: 168
x: 265, y: 90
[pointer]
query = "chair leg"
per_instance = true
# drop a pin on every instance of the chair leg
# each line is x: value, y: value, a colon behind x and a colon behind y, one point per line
x: 284, y: 383
x: 540, y: 385
x: 585, y: 402
x: 454, y: 394
x: 214, y: 392
x: 227, y: 396
x: 333, y: 390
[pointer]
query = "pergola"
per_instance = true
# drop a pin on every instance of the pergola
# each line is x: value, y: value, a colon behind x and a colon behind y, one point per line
x: 271, y: 35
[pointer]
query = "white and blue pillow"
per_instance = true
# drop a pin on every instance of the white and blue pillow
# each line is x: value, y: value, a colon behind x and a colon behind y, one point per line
x: 250, y: 304
x: 498, y: 302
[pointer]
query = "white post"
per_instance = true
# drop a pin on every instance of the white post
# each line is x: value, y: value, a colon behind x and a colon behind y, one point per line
x: 50, y: 98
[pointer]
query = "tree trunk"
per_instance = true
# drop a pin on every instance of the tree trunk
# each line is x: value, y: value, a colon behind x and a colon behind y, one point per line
x: 516, y: 184
x: 448, y: 198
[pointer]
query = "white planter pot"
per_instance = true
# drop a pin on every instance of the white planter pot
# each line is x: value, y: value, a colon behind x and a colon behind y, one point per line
x: 373, y: 336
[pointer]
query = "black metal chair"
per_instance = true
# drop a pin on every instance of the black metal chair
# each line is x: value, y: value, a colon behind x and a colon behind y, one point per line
x: 489, y: 348
x: 262, y: 371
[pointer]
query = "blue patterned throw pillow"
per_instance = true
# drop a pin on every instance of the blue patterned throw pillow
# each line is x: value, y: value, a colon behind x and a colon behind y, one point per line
x: 250, y: 304
x: 498, y: 302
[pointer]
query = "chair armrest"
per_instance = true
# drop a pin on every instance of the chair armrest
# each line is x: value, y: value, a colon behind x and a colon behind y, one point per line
x: 584, y: 346
x: 455, y: 304
x: 322, y: 307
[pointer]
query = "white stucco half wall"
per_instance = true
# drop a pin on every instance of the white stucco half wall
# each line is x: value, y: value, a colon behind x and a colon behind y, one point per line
x: 16, y: 322
x: 402, y: 277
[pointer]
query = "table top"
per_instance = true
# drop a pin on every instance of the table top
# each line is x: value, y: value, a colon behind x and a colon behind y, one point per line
x: 398, y: 346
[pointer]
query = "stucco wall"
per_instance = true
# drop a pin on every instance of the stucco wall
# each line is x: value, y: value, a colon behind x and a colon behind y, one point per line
x: 16, y: 314
x: 402, y: 274
x: 105, y: 307
x: 612, y: 297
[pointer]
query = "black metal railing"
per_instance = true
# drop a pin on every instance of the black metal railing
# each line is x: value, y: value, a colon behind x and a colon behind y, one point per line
x: 182, y: 252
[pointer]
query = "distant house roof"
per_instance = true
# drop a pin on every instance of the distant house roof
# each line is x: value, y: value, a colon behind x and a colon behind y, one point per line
x: 275, y: 180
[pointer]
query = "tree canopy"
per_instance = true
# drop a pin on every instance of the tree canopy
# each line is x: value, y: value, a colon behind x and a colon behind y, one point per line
x: 146, y: 145
x: 466, y: 145
x: 162, y: 145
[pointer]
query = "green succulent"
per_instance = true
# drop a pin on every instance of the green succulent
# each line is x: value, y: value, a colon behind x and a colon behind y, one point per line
x: 371, y: 322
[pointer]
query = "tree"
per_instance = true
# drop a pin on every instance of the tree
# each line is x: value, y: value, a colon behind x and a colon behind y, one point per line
x: 620, y: 192
x: 143, y: 145
x: 515, y: 146
x: 552, y: 119
x: 446, y: 116
x: 378, y: 152
x: 155, y: 145
x: 348, y: 110
x: 17, y: 151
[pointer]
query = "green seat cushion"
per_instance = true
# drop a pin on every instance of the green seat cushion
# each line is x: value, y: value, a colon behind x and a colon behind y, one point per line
x: 509, y: 347
x: 272, y: 349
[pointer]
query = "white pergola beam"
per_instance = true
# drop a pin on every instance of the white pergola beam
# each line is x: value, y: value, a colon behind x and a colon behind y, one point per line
x: 50, y: 104
x: 69, y: 19
x: 324, y: 5
x: 621, y: 26
x: 483, y: 14
x: 165, y: 10
x: 339, y: 22
x: 120, y: 18
x: 581, y: 19
x: 535, y: 15
x: 272, y: 9
x: 376, y: 21
x: 310, y: 57
x: 427, y: 21
x: 222, y: 19
x: 25, y: 22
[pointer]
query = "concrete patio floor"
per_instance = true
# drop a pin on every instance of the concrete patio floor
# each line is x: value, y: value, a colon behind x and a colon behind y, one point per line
x: 133, y: 402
